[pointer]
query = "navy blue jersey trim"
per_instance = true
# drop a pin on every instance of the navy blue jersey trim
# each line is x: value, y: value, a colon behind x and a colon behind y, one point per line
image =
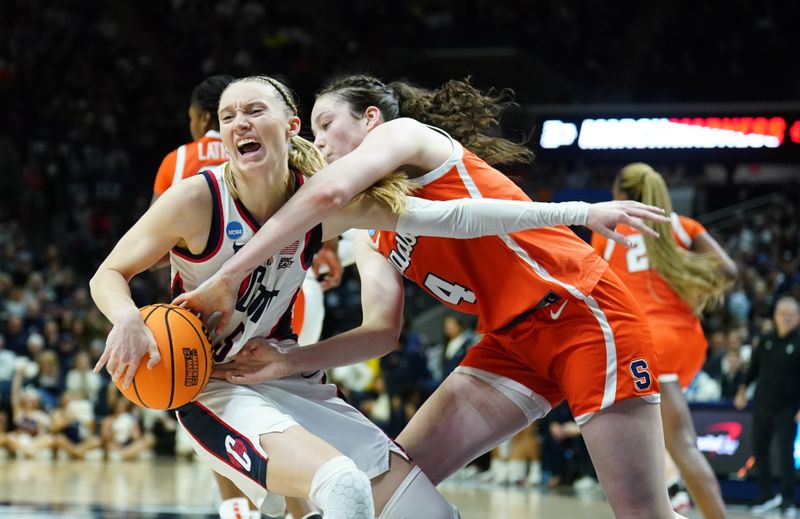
x: 215, y: 232
x: 224, y: 442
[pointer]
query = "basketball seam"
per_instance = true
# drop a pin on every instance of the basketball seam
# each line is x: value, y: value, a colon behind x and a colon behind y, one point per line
x: 135, y: 387
x: 207, y: 374
x: 172, y: 358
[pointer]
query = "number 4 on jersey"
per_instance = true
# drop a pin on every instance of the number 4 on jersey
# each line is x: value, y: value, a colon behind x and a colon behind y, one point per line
x: 450, y: 293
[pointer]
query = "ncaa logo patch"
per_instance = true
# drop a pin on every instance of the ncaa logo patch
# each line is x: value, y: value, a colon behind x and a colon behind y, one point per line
x: 234, y: 230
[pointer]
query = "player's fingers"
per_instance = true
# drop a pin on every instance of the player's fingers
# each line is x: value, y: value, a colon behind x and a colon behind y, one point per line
x: 155, y: 355
x: 213, y: 320
x: 102, y: 360
x: 127, y: 376
x: 118, y: 371
x: 182, y: 300
x: 648, y: 212
x: 639, y: 225
x: 221, y: 371
x: 225, y: 316
x: 242, y: 378
x: 617, y: 237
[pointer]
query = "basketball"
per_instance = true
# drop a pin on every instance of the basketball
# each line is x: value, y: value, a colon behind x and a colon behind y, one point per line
x: 186, y: 360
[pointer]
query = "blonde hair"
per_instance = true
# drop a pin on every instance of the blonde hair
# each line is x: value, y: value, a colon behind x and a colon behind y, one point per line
x: 697, y: 278
x: 307, y: 159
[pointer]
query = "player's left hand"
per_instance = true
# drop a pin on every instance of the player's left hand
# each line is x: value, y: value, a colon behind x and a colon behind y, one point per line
x: 604, y: 217
x: 260, y: 360
x: 327, y: 263
x: 214, y: 295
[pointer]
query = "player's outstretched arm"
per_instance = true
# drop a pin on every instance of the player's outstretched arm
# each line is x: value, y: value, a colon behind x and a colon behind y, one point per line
x: 382, y: 310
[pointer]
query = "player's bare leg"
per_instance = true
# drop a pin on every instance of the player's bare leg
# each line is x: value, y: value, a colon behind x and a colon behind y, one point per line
x: 681, y: 441
x: 626, y: 444
x: 435, y: 439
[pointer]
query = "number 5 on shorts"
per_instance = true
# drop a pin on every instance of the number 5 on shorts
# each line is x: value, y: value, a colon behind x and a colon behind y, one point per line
x: 641, y: 376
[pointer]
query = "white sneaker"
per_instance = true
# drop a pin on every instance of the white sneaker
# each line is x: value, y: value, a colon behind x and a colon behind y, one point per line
x: 766, y: 506
x: 790, y: 511
x: 535, y: 474
x: 585, y: 484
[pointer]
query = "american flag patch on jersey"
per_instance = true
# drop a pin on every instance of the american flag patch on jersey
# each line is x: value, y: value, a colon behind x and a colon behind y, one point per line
x: 289, y: 250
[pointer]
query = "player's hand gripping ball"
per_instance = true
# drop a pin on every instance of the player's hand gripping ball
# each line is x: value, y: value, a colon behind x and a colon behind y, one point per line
x: 186, y: 360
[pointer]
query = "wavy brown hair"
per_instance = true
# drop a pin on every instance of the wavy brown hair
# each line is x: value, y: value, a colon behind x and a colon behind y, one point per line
x: 467, y: 114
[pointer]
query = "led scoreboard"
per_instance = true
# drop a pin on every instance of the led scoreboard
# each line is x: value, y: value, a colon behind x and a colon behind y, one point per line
x: 701, y: 135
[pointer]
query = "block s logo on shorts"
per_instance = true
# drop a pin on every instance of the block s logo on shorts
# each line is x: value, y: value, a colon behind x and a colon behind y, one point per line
x: 642, y: 378
x: 237, y: 452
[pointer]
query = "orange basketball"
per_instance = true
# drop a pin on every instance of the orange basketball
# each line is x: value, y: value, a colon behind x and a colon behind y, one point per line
x: 186, y: 359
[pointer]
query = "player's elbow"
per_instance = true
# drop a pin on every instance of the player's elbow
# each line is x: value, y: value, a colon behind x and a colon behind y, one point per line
x: 731, y: 269
x: 387, y: 334
x: 330, y: 198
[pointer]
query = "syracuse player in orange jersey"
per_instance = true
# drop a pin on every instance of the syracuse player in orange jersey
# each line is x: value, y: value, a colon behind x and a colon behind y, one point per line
x: 673, y: 277
x: 206, y: 149
x: 558, y: 324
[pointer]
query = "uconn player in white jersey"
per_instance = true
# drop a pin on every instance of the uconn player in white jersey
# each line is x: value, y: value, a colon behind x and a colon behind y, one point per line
x: 294, y: 436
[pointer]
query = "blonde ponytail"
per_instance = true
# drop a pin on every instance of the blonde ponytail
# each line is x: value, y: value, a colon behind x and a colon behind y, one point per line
x: 304, y: 156
x: 697, y: 278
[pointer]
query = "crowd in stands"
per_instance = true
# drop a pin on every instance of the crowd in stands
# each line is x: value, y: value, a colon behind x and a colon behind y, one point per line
x: 88, y: 113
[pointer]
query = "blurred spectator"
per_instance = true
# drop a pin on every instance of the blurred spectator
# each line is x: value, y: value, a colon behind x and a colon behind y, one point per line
x: 732, y: 376
x: 82, y: 381
x: 121, y: 434
x: 15, y: 336
x: 30, y: 424
x: 565, y: 458
x: 48, y: 380
x: 457, y: 340
x: 162, y: 426
x: 73, y: 426
x: 717, y: 346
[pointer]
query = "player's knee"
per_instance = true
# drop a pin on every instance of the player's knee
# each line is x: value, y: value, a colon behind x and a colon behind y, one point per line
x: 341, y: 490
x: 417, y: 497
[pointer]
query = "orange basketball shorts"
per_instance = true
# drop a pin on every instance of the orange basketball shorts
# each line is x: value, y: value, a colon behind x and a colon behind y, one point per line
x: 592, y: 350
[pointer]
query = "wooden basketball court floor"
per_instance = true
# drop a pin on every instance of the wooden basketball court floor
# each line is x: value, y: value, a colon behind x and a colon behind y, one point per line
x: 163, y: 489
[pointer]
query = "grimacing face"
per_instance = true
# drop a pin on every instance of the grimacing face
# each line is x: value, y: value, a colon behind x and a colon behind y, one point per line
x: 255, y: 125
x: 337, y: 131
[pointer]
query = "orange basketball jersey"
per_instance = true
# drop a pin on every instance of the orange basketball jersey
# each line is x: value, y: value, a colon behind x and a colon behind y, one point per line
x: 189, y: 160
x: 496, y: 277
x: 661, y: 304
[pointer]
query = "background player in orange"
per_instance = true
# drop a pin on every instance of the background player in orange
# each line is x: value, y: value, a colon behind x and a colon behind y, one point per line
x: 557, y: 322
x: 207, y: 148
x: 673, y: 277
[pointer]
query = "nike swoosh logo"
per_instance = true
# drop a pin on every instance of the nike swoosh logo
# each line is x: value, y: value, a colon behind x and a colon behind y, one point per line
x: 556, y: 315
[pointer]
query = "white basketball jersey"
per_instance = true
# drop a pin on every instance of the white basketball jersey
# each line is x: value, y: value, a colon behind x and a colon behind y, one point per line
x: 266, y: 297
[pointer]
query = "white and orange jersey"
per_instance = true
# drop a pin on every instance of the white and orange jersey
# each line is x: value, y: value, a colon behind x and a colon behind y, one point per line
x: 190, y: 159
x: 266, y: 297
x: 496, y: 277
x: 661, y: 304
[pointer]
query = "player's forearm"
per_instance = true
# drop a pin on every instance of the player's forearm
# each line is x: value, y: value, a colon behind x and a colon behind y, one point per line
x: 357, y: 345
x: 112, y: 295
x: 476, y: 217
